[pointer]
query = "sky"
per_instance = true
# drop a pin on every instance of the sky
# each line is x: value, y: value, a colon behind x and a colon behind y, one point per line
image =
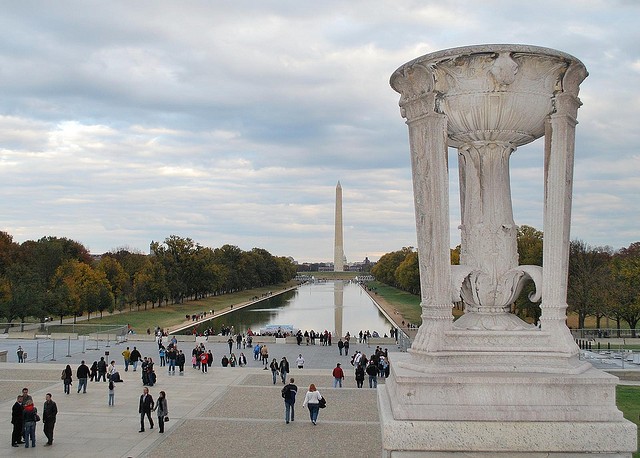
x: 123, y: 123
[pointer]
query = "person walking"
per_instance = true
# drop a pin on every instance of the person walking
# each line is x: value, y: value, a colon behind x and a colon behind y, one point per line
x: 112, y: 393
x: 203, y: 362
x: 264, y: 354
x: 172, y: 355
x: 180, y: 361
x: 17, y: 420
x: 162, y: 352
x: 284, y: 369
x: 162, y: 409
x: 82, y: 373
x: 340, y: 346
x: 359, y: 375
x: 134, y: 357
x: 274, y: 369
x: 49, y: 412
x: 372, y: 371
x: 20, y: 354
x: 67, y: 378
x: 338, y: 376
x: 145, y: 408
x: 300, y: 361
x: 289, y: 394
x: 126, y: 356
x: 312, y: 401
x: 93, y: 377
x: 29, y: 420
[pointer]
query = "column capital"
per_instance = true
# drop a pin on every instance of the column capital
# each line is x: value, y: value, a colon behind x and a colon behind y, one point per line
x: 415, y: 85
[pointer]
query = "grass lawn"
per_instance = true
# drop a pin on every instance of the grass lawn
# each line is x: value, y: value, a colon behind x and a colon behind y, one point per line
x: 174, y: 314
x: 408, y: 305
x: 628, y: 401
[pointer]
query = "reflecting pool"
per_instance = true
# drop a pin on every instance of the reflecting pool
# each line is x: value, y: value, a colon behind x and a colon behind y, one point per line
x: 338, y: 307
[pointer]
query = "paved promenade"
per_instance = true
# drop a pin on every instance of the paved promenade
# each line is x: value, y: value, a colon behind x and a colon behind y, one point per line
x: 226, y: 412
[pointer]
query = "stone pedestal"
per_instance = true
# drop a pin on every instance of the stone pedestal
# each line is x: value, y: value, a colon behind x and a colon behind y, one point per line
x: 490, y: 384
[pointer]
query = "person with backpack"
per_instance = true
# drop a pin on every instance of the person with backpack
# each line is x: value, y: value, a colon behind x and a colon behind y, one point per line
x: 289, y: 392
x: 67, y: 378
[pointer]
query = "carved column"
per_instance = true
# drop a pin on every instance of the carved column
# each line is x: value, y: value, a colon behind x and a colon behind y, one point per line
x: 558, y: 187
x: 489, y: 235
x: 428, y: 145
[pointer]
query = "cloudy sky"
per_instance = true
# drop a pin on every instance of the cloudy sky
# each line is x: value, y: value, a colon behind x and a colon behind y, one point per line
x: 231, y: 122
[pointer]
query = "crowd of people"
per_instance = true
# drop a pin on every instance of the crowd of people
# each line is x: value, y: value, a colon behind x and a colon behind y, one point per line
x: 24, y: 416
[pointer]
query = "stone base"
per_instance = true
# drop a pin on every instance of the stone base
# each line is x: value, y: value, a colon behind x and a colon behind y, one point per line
x: 506, y: 439
x: 491, y: 413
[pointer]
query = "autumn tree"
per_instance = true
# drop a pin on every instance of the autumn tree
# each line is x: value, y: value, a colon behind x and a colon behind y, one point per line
x: 79, y: 289
x: 385, y: 268
x: 117, y: 277
x: 407, y: 274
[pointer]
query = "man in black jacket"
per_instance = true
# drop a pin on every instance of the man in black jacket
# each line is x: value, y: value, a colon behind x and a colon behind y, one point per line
x: 102, y: 370
x: 83, y: 373
x: 134, y: 357
x: 289, y: 394
x: 49, y: 412
x: 16, y: 420
x: 145, y: 408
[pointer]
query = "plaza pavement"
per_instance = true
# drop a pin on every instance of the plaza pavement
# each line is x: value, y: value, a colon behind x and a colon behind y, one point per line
x: 226, y: 412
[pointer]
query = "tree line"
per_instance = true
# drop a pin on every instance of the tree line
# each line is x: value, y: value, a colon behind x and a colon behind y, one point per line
x: 56, y: 276
x: 602, y: 283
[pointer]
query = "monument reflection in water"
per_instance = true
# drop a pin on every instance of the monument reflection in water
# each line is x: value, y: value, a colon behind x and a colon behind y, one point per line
x: 338, y: 307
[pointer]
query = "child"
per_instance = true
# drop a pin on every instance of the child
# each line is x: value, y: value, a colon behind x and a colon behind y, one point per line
x: 112, y: 392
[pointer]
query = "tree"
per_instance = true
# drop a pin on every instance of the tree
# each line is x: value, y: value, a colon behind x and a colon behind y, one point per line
x: 408, y: 274
x: 80, y: 289
x: 117, y: 278
x: 530, y: 248
x: 385, y: 268
x: 150, y: 284
x: 132, y: 261
x: 625, y: 269
x: 8, y: 252
x: 24, y: 293
x: 589, y: 279
x: 229, y: 256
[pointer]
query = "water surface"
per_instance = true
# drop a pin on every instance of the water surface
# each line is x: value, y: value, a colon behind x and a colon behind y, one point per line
x: 339, y: 307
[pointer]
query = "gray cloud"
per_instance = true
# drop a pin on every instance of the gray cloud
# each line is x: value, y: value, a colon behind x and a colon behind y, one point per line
x: 123, y: 123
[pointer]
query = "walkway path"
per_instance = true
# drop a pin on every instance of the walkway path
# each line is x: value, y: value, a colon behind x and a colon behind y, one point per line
x: 226, y: 411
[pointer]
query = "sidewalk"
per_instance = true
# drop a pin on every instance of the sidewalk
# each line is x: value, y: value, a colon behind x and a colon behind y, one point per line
x: 226, y: 411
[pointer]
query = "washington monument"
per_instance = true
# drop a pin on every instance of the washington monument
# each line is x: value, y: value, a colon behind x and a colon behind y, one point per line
x: 338, y: 253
